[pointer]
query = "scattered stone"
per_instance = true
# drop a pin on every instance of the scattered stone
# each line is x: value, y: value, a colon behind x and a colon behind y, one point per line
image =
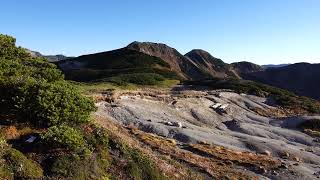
x: 296, y: 164
x: 229, y: 163
x: 31, y: 139
x: 283, y: 166
x: 275, y: 173
x: 114, y: 105
x: 221, y: 164
x: 317, y: 174
x: 297, y: 159
x: 149, y: 120
x: 262, y: 170
x: 174, y: 102
x: 266, y: 152
x: 309, y: 150
x: 168, y: 123
x: 285, y: 155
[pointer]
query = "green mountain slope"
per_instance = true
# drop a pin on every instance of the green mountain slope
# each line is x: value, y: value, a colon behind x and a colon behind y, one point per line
x: 118, y: 66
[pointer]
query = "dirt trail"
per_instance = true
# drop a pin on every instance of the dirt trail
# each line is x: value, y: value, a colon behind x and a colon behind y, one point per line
x: 239, y: 122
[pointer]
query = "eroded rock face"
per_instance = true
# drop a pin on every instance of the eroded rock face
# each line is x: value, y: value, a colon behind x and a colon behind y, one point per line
x: 238, y: 128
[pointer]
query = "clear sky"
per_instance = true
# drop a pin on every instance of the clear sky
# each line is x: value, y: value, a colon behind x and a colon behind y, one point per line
x: 260, y: 31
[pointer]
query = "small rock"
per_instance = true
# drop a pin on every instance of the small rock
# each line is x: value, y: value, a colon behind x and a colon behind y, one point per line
x: 31, y: 139
x: 283, y: 166
x: 266, y: 152
x: 285, y: 155
x: 262, y: 170
x: 296, y: 164
x: 221, y: 164
x: 297, y: 159
x: 229, y: 163
x: 309, y: 150
x: 275, y: 173
x: 149, y: 120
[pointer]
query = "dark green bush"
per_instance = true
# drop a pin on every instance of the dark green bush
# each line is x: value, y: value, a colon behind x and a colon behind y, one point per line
x: 65, y: 136
x: 33, y: 90
x: 59, y: 103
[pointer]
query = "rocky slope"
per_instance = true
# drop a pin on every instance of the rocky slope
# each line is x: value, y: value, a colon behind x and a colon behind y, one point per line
x: 252, y: 138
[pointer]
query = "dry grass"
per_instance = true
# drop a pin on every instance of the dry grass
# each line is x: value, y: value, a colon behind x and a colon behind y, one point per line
x: 215, y: 167
x: 237, y: 157
x: 163, y: 161
x: 312, y: 132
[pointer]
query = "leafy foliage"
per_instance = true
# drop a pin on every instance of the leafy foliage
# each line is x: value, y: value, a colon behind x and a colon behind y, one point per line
x: 65, y: 136
x: 33, y: 91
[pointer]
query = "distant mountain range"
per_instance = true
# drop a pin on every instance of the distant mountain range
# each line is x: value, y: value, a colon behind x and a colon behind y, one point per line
x: 301, y: 78
x: 274, y: 65
x: 51, y: 58
x: 160, y: 59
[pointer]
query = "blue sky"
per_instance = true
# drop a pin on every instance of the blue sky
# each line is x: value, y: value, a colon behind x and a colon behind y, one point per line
x: 260, y: 31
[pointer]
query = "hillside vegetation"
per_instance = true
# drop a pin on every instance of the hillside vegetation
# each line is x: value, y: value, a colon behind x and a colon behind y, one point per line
x: 120, y: 67
x: 283, y: 98
x: 46, y: 130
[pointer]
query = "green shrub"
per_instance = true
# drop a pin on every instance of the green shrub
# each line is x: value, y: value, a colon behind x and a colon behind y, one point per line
x: 21, y: 166
x: 65, y: 136
x: 98, y: 138
x: 60, y: 103
x: 33, y: 90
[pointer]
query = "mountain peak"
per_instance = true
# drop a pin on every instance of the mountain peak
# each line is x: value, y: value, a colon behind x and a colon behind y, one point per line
x: 199, y: 51
x: 136, y: 45
x: 204, y: 57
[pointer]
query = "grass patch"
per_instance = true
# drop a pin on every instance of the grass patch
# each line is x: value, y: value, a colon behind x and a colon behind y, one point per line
x: 93, y: 167
x: 21, y: 166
